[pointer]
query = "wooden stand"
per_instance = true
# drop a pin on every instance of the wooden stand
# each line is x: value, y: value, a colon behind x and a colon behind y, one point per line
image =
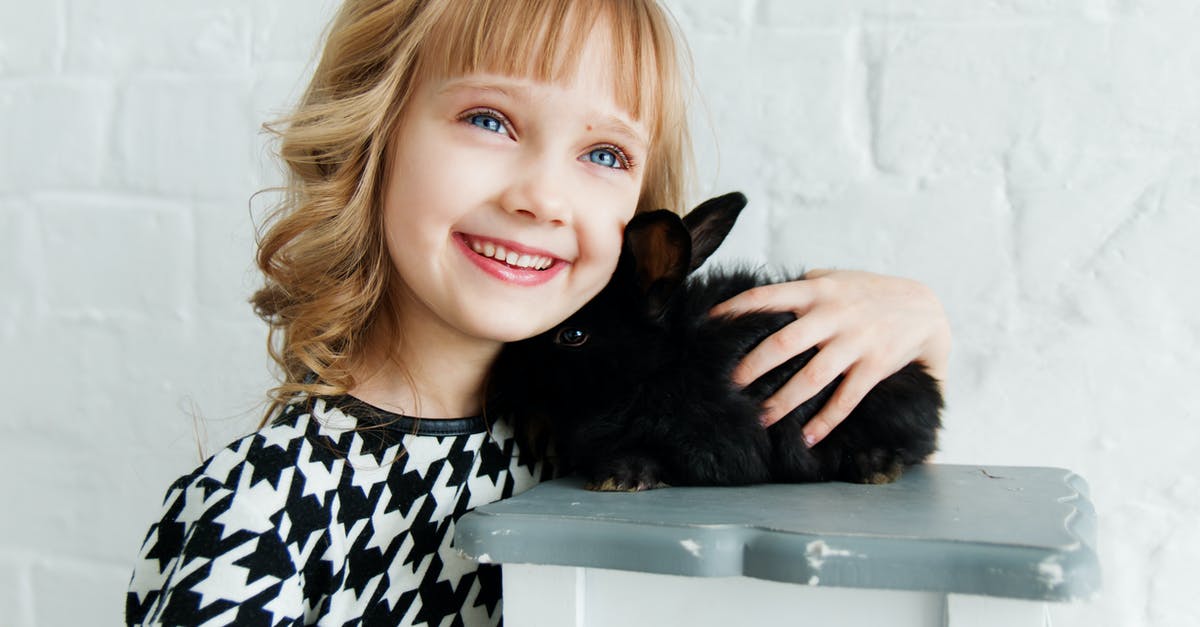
x: 943, y: 546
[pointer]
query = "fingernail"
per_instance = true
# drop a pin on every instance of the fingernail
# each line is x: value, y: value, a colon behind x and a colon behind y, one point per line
x: 810, y: 440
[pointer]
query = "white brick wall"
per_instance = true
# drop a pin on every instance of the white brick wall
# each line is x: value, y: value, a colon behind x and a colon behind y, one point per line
x: 1036, y: 162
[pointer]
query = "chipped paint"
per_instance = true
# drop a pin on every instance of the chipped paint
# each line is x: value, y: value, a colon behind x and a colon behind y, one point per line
x: 691, y: 546
x: 816, y: 552
x: 1050, y: 572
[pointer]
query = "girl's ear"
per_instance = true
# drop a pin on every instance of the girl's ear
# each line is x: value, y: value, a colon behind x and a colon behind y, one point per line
x: 662, y: 251
x: 709, y: 223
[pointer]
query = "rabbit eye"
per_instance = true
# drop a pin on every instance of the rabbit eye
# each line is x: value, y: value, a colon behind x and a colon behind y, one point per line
x: 570, y: 336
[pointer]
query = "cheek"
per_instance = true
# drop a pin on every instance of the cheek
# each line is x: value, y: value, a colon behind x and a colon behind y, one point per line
x: 604, y: 237
x: 602, y: 249
x: 611, y: 250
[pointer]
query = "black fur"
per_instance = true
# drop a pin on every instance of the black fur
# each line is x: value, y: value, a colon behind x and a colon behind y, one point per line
x: 646, y: 398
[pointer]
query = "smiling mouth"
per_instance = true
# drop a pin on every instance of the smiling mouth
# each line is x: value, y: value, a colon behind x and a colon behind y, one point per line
x: 512, y: 258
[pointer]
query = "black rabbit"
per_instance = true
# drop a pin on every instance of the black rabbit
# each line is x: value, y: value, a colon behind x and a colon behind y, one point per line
x: 635, y: 388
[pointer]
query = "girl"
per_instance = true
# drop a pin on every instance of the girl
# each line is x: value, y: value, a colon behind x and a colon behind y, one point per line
x: 460, y: 174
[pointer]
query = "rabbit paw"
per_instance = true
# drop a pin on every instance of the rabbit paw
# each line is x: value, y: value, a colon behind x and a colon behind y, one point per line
x: 877, y: 466
x: 632, y: 474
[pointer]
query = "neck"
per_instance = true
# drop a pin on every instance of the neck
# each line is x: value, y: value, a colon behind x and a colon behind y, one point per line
x: 428, y: 371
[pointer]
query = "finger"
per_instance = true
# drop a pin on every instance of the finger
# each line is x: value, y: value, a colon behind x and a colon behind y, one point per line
x: 790, y: 340
x: 816, y: 274
x: 831, y: 361
x: 858, y: 381
x: 795, y: 296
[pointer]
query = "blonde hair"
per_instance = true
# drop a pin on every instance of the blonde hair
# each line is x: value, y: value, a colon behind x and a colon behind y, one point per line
x: 323, y: 252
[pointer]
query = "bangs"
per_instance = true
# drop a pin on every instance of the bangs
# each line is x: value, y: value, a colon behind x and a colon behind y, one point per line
x: 543, y: 40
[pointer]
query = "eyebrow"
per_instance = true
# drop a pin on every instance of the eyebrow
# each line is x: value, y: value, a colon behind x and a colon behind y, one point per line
x: 618, y: 126
x: 461, y: 84
x: 611, y: 124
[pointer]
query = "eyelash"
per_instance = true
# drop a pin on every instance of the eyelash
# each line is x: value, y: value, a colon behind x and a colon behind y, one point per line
x: 500, y: 117
x: 623, y: 158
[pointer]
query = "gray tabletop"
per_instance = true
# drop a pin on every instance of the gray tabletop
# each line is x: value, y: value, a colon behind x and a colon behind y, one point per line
x: 1015, y: 532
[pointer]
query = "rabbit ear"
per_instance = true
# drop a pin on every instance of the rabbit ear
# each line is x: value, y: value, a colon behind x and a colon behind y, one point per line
x: 710, y: 222
x: 662, y: 250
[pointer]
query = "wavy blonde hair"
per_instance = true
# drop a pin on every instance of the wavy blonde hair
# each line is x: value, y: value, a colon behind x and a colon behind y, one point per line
x: 322, y: 251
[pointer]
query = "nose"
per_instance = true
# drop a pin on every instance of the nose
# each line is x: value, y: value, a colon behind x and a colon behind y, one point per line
x: 539, y: 193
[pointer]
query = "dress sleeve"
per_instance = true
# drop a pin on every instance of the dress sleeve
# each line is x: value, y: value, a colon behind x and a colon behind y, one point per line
x: 213, y: 560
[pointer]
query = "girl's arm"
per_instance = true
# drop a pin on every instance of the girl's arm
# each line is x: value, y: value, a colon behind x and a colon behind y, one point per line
x: 867, y: 326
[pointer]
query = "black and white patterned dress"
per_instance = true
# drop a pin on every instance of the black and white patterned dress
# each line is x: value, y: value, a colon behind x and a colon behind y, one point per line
x: 337, y: 513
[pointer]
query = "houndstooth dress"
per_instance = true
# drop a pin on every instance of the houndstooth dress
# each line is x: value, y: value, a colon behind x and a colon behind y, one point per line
x: 337, y: 513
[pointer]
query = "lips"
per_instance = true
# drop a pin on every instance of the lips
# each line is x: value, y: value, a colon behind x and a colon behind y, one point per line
x: 513, y: 258
x: 510, y: 261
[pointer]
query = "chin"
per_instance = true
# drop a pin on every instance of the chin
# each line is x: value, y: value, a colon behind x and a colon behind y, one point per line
x: 511, y: 318
x: 512, y: 327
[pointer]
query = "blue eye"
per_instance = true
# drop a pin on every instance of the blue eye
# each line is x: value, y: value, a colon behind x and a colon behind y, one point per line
x: 488, y: 122
x: 606, y: 157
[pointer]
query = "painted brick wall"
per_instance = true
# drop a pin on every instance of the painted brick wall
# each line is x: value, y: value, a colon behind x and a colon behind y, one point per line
x: 1036, y: 162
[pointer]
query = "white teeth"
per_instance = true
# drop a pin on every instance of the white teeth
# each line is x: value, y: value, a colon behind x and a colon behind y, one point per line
x: 512, y: 258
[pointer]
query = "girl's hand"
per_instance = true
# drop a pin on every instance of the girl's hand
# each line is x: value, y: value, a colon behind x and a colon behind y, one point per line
x: 867, y: 326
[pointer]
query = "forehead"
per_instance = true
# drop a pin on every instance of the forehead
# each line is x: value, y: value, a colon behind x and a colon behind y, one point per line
x: 545, y: 41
